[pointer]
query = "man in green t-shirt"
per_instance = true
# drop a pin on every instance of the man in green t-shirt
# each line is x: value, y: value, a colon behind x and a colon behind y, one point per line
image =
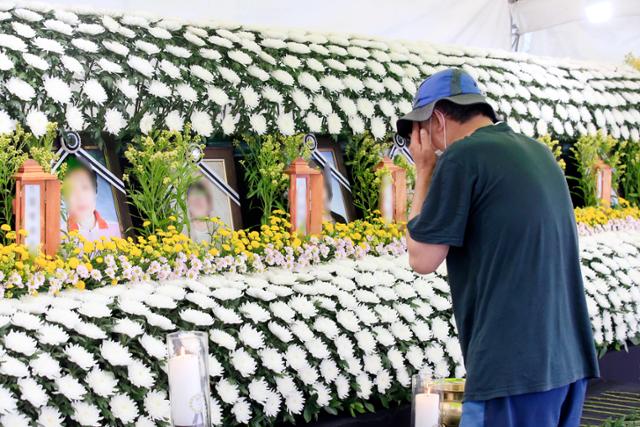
x: 496, y: 206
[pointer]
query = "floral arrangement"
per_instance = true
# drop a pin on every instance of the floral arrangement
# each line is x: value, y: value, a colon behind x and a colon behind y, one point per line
x: 588, y: 151
x: 169, y: 254
x: 15, y: 148
x: 124, y: 73
x: 598, y: 219
x: 363, y: 153
x: 265, y: 160
x: 337, y: 337
x: 161, y: 170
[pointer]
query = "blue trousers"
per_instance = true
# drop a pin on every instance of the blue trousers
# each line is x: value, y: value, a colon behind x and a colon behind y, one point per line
x: 560, y: 407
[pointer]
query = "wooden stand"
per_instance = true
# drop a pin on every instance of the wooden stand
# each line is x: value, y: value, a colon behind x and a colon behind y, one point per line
x: 393, y: 192
x: 306, y: 197
x: 603, y: 182
x: 37, y: 208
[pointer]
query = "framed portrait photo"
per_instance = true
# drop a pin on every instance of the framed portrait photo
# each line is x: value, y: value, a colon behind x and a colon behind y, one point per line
x: 338, y: 201
x: 214, y: 194
x: 93, y: 201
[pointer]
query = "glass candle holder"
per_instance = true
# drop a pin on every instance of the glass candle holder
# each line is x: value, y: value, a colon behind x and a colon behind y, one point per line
x: 425, y: 402
x: 188, y: 372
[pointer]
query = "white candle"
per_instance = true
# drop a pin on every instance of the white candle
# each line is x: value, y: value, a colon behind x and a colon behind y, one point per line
x: 427, y: 410
x: 187, y: 400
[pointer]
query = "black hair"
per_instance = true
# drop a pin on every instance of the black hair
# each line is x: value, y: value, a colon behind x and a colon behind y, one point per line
x: 79, y: 164
x: 464, y: 113
x: 199, y: 186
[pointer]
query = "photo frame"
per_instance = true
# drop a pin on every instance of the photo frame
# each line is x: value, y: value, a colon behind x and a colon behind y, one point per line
x: 326, y: 153
x: 215, y: 194
x: 94, y: 198
x: 400, y: 147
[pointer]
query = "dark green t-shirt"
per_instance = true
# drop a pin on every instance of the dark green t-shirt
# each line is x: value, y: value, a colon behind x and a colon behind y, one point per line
x: 501, y: 203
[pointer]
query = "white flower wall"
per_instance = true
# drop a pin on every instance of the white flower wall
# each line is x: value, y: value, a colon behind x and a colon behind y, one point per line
x: 89, y: 71
x: 282, y: 344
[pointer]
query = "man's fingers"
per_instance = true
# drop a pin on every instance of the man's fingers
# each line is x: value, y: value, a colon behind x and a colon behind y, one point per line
x: 415, y: 136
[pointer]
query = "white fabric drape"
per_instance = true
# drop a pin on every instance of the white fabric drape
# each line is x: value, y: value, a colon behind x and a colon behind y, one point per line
x: 481, y: 23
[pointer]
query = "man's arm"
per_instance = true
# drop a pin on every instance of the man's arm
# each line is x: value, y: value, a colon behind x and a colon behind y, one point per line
x: 424, y: 258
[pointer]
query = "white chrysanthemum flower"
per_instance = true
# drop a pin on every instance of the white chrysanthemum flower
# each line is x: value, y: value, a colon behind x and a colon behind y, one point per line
x: 227, y: 391
x: 13, y: 367
x: 196, y: 317
x: 116, y: 47
x: 243, y: 362
x: 187, y: 93
x: 283, y: 77
x: 159, y: 89
x: 74, y: 118
x: 140, y: 375
x: 48, y: 45
x: 250, y: 97
x: 157, y: 406
x: 43, y: 365
x: 85, y: 45
x: 102, y: 383
x: 223, y: 339
x: 15, y: 419
x: 57, y: 89
x: 37, y: 122
x: 90, y: 330
x: 109, y: 66
x: 114, y: 353
x: 174, y: 121
x: 228, y: 124
x: 334, y: 124
x: 146, y: 122
x: 258, y: 123
x: 86, y: 414
x: 242, y: 411
x: 114, y: 121
x: 8, y: 402
x: 70, y: 387
x: 141, y: 65
x: 80, y: 356
x: 153, y: 346
x: 301, y: 99
x: 23, y: 30
x: 94, y: 91
x: 7, y: 124
x: 12, y: 42
x: 128, y: 327
x: 26, y: 321
x: 251, y: 337
x: 272, y: 359
x: 32, y: 392
x: 50, y: 417
x: 285, y: 123
x: 20, y: 89
x: 123, y: 408
x: 313, y: 122
x: 201, y: 123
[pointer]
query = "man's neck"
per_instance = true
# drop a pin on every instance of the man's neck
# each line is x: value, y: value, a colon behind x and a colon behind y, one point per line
x: 459, y: 131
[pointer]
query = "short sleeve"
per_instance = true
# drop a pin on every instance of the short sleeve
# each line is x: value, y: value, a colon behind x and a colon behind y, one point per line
x: 444, y: 214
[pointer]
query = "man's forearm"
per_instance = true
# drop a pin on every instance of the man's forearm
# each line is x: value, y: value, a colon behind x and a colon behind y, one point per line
x: 423, y: 181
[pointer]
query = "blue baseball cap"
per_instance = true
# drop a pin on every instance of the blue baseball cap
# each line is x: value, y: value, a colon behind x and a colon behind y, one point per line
x: 452, y: 84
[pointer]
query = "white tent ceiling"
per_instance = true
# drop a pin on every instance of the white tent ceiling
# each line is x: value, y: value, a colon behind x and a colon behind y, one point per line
x: 554, y: 28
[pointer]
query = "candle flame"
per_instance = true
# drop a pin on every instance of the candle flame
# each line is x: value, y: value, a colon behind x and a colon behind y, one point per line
x: 182, y: 351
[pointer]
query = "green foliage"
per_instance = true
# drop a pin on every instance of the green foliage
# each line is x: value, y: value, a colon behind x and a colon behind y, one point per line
x: 15, y: 149
x: 160, y: 172
x: 362, y: 154
x: 630, y: 180
x: 556, y: 149
x: 587, y: 151
x: 265, y: 160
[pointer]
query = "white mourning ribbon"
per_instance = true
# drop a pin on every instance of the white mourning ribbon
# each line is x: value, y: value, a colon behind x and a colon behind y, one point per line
x: 71, y: 143
x: 220, y: 183
x: 400, y: 146
x: 312, y: 143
